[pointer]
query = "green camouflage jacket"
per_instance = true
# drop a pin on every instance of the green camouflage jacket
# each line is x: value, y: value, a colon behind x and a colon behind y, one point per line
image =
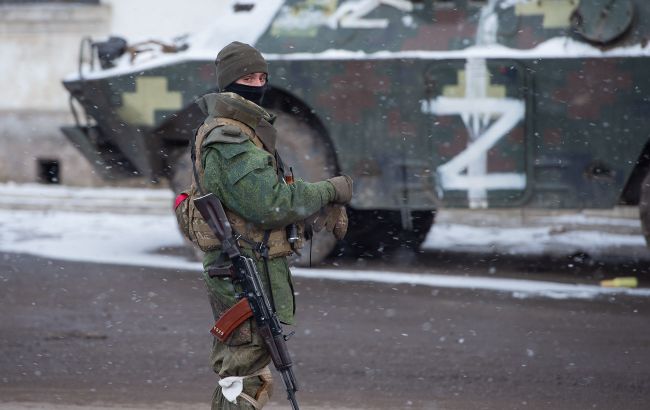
x: 244, y: 177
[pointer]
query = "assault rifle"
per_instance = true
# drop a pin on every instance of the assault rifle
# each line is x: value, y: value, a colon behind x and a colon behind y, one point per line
x: 245, y: 274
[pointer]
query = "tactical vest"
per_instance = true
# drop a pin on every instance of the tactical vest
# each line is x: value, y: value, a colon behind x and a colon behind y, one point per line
x: 251, y: 236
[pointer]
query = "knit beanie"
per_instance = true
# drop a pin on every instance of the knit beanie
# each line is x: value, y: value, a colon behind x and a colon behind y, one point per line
x: 235, y: 61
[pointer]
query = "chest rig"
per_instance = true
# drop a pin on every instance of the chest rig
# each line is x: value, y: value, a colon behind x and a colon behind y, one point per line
x: 238, y: 121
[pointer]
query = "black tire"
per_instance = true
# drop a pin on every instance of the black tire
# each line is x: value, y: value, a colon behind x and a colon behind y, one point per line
x: 644, y: 208
x: 312, y: 159
x: 377, y: 234
x: 181, y: 175
x: 181, y: 179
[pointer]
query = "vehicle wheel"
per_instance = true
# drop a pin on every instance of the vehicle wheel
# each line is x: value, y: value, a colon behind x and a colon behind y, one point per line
x: 644, y: 208
x: 181, y: 175
x: 312, y: 159
x: 181, y: 179
x: 380, y: 233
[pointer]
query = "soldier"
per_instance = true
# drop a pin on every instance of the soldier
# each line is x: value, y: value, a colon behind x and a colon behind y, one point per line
x: 237, y: 160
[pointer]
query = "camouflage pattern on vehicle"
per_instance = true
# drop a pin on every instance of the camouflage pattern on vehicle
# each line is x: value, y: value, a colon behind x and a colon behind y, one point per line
x: 426, y: 104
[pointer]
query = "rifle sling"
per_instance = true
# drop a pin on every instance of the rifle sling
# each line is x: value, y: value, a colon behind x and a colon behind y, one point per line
x: 268, y: 276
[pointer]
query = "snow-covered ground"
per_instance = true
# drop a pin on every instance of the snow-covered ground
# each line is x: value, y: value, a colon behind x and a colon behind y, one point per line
x: 130, y: 226
x: 598, y: 233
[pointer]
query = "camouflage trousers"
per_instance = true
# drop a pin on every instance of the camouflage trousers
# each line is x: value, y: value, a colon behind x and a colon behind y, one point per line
x: 241, y: 360
x: 243, y: 354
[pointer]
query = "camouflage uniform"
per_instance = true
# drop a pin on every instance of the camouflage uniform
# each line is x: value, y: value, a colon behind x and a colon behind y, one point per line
x: 245, y: 177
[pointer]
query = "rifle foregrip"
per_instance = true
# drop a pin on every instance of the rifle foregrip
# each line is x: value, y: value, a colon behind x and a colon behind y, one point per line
x: 283, y: 352
x: 277, y: 348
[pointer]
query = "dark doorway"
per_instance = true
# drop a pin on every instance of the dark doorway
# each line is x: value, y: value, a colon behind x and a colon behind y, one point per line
x: 48, y: 171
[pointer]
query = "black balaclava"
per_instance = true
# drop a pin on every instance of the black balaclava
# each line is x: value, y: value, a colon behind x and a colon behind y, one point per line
x: 251, y: 93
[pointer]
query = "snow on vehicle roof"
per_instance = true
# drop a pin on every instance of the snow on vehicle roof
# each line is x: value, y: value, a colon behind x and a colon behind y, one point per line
x: 231, y: 26
x: 248, y: 26
x: 559, y: 47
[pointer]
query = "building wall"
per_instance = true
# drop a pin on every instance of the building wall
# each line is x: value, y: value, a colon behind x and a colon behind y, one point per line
x: 39, y: 45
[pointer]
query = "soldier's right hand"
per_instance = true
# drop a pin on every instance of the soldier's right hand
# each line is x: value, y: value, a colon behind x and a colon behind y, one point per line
x: 342, y: 188
x: 337, y: 223
x: 334, y: 218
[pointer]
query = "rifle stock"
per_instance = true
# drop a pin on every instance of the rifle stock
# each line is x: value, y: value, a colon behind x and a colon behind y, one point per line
x: 212, y: 211
x: 245, y: 273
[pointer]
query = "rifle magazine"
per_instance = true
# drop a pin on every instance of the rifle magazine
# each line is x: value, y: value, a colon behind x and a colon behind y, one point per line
x: 231, y: 319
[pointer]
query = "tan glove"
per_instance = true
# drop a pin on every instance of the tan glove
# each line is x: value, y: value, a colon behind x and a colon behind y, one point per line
x: 334, y: 218
x: 343, y: 189
x: 337, y: 223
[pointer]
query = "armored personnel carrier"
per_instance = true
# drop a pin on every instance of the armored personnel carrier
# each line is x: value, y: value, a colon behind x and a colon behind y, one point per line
x: 426, y: 104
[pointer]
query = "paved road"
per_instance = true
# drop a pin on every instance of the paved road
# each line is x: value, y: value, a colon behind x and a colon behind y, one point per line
x: 99, y: 336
